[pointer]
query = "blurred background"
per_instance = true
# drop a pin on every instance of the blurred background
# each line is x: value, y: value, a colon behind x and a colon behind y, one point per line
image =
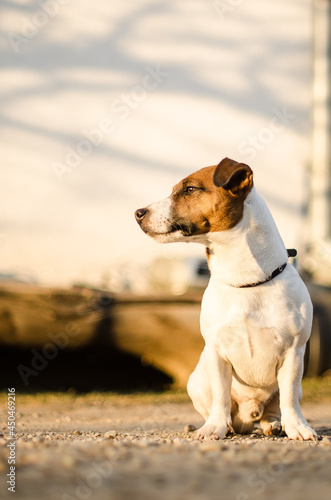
x: 104, y: 107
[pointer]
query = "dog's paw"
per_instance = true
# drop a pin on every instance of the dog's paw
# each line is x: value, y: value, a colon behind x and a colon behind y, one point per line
x: 213, y: 431
x: 272, y: 428
x: 300, y: 432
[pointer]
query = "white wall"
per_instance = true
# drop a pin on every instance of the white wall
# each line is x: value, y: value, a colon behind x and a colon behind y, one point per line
x: 226, y: 72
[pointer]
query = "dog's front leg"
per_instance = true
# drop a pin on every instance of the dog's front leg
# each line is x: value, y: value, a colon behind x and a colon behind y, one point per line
x: 219, y: 372
x: 290, y: 392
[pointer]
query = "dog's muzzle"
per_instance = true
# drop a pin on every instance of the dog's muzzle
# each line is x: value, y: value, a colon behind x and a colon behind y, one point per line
x: 161, y: 222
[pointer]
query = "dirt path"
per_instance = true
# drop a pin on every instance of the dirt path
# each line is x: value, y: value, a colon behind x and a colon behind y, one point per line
x: 139, y: 447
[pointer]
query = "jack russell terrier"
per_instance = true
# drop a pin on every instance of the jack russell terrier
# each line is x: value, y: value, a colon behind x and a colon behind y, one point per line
x: 256, y: 312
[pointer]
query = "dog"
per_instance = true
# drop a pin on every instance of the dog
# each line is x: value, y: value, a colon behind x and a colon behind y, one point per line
x: 256, y: 313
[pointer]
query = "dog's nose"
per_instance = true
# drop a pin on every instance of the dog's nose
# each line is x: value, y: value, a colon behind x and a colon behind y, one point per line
x: 140, y: 214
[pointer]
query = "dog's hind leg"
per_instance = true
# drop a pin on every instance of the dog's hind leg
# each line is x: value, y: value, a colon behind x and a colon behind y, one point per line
x: 270, y: 421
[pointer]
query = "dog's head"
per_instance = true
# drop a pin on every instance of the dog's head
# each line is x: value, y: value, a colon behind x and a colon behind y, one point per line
x: 209, y: 200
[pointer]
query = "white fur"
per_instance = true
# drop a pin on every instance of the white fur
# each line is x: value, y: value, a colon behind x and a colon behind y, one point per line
x: 160, y: 222
x: 160, y: 215
x: 255, y: 337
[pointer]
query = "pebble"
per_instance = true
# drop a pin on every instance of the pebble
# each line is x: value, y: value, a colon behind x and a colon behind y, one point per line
x: 190, y: 428
x: 110, y: 434
x: 68, y: 461
x: 162, y: 462
x: 144, y: 443
x: 29, y: 444
x: 179, y: 442
x: 213, y: 446
x: 38, y: 439
x: 326, y: 441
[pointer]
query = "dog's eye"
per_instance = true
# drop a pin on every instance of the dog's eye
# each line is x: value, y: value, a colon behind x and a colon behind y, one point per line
x: 190, y: 189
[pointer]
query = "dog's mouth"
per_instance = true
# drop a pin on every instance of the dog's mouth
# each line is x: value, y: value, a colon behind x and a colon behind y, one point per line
x: 176, y: 232
x: 184, y: 228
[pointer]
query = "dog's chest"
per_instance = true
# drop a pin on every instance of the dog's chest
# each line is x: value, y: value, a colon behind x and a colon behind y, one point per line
x: 248, y: 330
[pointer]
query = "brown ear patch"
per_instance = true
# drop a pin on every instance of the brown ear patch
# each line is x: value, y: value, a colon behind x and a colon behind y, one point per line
x: 234, y: 177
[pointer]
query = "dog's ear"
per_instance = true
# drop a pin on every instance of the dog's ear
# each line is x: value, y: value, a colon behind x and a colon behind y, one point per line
x: 234, y: 177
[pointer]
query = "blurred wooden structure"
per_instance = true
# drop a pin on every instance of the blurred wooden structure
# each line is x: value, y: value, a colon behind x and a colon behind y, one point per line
x: 162, y: 331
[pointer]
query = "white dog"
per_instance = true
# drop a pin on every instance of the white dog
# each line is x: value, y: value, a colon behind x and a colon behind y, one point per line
x: 256, y: 311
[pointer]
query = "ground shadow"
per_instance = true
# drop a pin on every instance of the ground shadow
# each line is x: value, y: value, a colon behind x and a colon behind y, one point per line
x: 81, y: 370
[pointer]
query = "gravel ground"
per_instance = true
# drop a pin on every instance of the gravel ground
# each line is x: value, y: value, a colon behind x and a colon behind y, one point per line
x: 121, y: 447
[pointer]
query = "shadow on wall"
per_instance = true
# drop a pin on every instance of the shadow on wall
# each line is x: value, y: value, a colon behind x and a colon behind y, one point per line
x: 111, y: 52
x: 168, y: 75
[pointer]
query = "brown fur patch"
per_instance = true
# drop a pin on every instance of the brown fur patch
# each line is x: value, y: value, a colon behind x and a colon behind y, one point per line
x: 211, y: 199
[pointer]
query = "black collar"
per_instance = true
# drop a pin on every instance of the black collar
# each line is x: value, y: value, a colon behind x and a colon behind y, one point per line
x: 290, y: 252
x: 273, y: 275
